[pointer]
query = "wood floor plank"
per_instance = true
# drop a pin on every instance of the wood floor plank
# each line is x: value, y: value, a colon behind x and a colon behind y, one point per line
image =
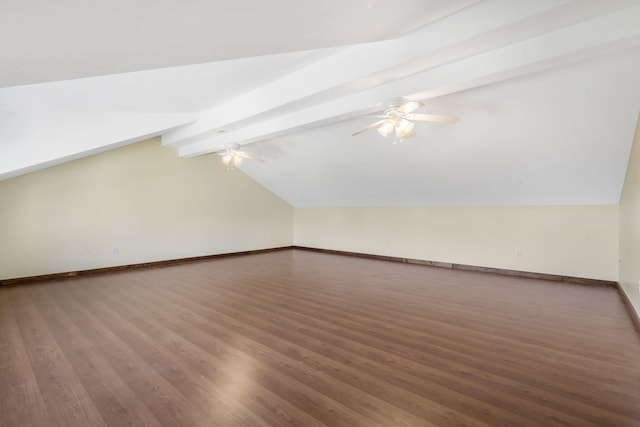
x: 66, y: 399
x: 381, y: 328
x: 237, y: 360
x: 379, y: 297
x: 21, y: 403
x: 178, y: 399
x: 373, y: 362
x: 117, y: 403
x: 264, y: 353
x: 226, y: 374
x: 473, y: 382
x: 474, y: 347
x: 469, y: 338
x: 353, y: 400
x: 376, y: 369
x: 298, y: 338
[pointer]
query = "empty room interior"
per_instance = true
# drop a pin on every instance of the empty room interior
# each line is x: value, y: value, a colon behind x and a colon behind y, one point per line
x: 330, y: 213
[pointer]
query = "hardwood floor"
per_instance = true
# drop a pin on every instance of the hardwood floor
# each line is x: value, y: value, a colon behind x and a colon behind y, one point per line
x: 308, y: 339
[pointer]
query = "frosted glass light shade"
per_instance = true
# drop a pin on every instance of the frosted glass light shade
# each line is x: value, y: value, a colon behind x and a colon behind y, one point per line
x: 404, y: 128
x: 386, y: 128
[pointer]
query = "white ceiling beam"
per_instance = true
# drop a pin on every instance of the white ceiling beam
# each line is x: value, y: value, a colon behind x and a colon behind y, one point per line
x: 476, y: 29
x: 608, y: 33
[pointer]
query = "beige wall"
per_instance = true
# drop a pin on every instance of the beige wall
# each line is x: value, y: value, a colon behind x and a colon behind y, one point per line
x: 630, y: 226
x: 142, y: 203
x: 576, y: 241
x: 134, y: 204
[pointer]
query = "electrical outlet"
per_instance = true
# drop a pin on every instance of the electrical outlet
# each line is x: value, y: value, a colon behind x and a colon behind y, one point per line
x: 638, y: 285
x: 116, y: 251
x: 519, y: 253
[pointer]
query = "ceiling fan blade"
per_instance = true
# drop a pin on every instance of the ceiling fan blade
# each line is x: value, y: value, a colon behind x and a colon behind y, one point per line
x: 245, y: 155
x: 371, y: 126
x: 249, y: 156
x: 409, y: 107
x: 432, y: 118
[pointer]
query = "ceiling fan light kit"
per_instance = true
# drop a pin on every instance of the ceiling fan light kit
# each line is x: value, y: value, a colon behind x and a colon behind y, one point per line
x: 399, y: 119
x: 233, y: 157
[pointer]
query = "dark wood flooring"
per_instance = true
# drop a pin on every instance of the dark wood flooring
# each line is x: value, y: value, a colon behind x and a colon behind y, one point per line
x: 302, y: 338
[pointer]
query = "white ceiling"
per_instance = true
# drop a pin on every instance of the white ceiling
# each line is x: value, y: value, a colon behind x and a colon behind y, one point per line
x: 65, y: 39
x: 547, y: 93
x: 548, y: 138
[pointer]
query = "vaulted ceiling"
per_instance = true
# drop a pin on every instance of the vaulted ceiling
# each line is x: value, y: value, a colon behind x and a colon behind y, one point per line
x: 547, y: 91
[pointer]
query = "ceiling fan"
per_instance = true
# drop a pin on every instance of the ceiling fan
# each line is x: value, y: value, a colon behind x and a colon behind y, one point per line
x: 398, y: 118
x: 232, y: 156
